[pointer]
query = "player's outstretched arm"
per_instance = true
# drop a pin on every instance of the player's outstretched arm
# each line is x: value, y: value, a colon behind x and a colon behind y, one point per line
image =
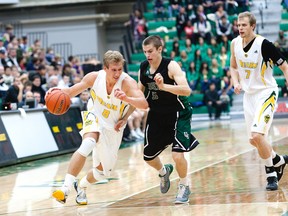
x: 131, y: 94
x: 86, y: 82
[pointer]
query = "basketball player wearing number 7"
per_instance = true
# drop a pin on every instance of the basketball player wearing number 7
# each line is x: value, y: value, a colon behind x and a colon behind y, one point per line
x: 112, y: 92
x: 252, y: 61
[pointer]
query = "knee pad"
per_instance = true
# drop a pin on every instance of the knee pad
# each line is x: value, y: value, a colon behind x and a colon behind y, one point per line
x: 87, y: 146
x: 98, y: 175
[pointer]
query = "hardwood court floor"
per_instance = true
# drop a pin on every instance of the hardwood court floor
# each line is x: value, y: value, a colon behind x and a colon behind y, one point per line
x: 226, y: 175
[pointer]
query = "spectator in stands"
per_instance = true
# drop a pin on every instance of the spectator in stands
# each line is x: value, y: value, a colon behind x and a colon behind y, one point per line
x: 38, y: 98
x: 41, y: 72
x: 3, y: 58
x: 91, y: 64
x: 82, y: 100
x: 226, y: 83
x: 223, y: 27
x: 12, y: 57
x: 201, y: 45
x: 234, y: 29
x: 176, y: 47
x: 189, y: 29
x: 140, y: 33
x: 199, y: 12
x: 208, y: 56
x: 181, y: 21
x: 52, y: 81
x: 225, y: 42
x: 174, y: 7
x: 49, y: 55
x: 282, y: 44
x: 159, y: 10
x: 24, y: 44
x: 3, y: 86
x: 284, y: 90
x: 76, y: 64
x: 214, y: 46
x: 220, y: 12
x: 8, y: 34
x: 225, y: 100
x: 7, y: 76
x: 231, y: 6
x: 204, y: 77
x: 224, y: 58
x: 202, y: 28
x: 68, y: 71
x: 36, y: 86
x: 64, y: 82
x: 15, y: 93
x: 243, y: 5
x: 212, y: 100
x: 189, y: 48
x: 2, y: 47
x: 184, y: 59
x: 208, y: 6
x: 198, y: 59
x: 216, y: 73
x: 192, y: 76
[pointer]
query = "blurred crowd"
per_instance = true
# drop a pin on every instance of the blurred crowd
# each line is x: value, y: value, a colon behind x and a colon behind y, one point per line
x: 28, y: 71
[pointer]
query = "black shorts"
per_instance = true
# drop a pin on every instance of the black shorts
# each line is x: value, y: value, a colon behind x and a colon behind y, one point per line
x: 164, y: 129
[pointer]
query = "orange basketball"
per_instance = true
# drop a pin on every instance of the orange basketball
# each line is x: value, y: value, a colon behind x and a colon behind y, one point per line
x: 57, y: 102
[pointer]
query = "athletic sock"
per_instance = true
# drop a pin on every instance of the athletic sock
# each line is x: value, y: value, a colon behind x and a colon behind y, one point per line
x: 184, y: 181
x: 68, y: 183
x: 162, y: 171
x: 84, y: 182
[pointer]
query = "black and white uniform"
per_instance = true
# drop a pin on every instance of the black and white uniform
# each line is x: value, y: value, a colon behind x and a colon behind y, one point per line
x: 169, y: 116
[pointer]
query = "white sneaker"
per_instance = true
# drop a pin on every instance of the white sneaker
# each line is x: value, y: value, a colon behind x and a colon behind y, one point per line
x: 134, y: 134
x: 81, y: 198
x: 139, y: 132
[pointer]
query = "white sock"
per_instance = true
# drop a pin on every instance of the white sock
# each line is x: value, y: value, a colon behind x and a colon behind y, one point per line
x: 268, y: 161
x: 68, y: 182
x: 162, y: 171
x: 184, y: 181
x: 84, y: 182
x: 273, y: 154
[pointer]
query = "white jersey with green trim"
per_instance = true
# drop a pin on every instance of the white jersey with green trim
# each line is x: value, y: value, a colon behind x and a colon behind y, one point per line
x: 255, y: 74
x: 107, y: 108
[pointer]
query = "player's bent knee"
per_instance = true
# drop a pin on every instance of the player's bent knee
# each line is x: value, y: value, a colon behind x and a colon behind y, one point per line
x: 97, y: 174
x: 87, y: 146
x: 178, y: 156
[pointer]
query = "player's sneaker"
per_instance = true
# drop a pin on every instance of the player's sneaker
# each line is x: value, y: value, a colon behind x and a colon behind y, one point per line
x: 81, y: 198
x: 60, y: 195
x: 272, y: 183
x: 164, y: 180
x: 183, y: 194
x: 279, y: 170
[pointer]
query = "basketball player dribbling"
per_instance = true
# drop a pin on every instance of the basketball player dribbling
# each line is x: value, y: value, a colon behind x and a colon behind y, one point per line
x: 112, y: 92
x: 251, y: 65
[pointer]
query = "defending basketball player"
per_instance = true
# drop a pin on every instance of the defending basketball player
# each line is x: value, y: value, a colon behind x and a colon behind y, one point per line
x: 252, y: 60
x: 112, y: 92
x: 169, y: 116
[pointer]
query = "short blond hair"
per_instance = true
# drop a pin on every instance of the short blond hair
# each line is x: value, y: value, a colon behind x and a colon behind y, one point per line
x: 111, y: 57
x: 251, y: 17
